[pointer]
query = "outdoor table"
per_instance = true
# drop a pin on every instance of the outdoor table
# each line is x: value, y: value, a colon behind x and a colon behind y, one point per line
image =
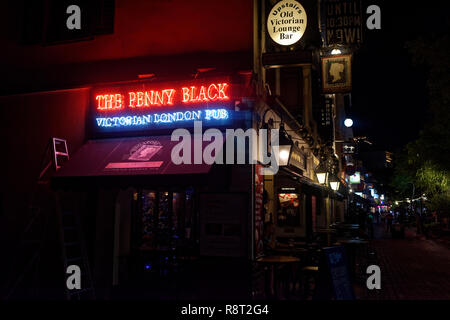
x: 326, y: 230
x: 277, y: 260
x: 347, y: 229
x: 347, y: 225
x: 296, y: 251
x: 351, y: 245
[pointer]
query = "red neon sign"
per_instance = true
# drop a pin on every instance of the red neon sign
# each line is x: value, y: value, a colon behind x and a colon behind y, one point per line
x: 212, y: 93
x: 149, y: 98
x: 166, y: 97
x: 109, y: 101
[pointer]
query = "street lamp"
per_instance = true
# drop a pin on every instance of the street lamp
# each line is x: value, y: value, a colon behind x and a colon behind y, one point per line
x: 334, y: 182
x: 348, y: 123
x: 322, y: 173
x: 336, y: 51
x: 285, y: 147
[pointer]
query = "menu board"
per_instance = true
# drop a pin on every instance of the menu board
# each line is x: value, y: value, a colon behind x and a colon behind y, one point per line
x: 338, y: 270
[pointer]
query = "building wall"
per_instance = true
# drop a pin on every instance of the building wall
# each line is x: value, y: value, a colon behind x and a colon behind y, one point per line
x: 169, y: 38
x: 142, y: 29
x: 30, y: 120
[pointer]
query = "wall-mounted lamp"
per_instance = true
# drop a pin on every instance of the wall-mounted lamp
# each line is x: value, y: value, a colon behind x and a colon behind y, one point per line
x: 322, y: 173
x: 336, y: 51
x: 285, y: 147
x: 334, y: 181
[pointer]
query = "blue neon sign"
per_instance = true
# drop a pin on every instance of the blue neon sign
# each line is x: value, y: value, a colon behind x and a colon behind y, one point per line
x: 162, y: 118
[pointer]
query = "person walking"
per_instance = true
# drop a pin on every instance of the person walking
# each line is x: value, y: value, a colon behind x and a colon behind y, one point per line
x: 370, y: 222
x: 389, y: 218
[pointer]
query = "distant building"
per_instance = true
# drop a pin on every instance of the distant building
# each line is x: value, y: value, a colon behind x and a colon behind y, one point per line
x: 376, y: 159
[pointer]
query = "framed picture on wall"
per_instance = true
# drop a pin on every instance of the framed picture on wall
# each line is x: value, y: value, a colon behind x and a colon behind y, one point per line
x: 336, y: 74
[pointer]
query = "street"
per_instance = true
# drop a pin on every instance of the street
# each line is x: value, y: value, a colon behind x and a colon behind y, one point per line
x: 412, y: 268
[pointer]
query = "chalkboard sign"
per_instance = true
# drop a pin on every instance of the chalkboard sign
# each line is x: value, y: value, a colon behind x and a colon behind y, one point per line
x: 336, y: 261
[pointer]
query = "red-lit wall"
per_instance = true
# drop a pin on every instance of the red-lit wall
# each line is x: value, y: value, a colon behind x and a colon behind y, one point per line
x: 30, y: 120
x: 142, y: 28
x: 168, y: 37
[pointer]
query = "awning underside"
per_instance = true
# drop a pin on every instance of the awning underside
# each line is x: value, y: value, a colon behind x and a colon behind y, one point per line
x: 129, y: 156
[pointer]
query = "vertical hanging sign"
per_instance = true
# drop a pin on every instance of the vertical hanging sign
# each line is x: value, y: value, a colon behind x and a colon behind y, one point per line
x: 326, y: 118
x: 342, y: 22
x: 259, y: 190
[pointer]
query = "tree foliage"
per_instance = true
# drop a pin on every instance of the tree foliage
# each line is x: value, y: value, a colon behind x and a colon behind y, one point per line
x: 425, y: 162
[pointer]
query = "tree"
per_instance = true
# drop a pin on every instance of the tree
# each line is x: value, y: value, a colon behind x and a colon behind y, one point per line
x: 425, y: 162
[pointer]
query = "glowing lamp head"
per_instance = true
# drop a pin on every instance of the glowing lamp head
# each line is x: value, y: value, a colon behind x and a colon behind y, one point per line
x: 284, y: 155
x: 334, y: 182
x: 322, y: 177
x: 336, y: 51
x: 285, y: 147
x: 322, y: 173
x: 348, y: 122
x: 334, y: 185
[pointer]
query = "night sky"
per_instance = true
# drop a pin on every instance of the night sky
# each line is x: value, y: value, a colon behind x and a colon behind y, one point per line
x: 389, y: 93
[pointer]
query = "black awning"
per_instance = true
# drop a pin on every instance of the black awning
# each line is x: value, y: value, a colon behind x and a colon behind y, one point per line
x: 138, y: 157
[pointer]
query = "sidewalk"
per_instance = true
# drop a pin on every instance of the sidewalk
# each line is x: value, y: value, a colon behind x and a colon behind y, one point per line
x: 413, y: 268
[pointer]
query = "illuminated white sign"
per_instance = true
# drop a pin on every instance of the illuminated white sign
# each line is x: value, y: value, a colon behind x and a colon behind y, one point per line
x: 356, y: 178
x: 286, y: 22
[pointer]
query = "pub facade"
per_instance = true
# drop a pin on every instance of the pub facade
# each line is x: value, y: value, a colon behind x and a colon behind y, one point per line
x: 143, y: 198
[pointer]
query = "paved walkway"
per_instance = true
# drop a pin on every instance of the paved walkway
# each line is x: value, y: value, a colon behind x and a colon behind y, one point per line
x: 412, y: 268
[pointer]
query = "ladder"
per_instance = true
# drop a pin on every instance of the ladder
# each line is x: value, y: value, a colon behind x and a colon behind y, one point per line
x: 74, y: 251
x: 26, y: 261
x: 56, y: 148
x: 27, y: 255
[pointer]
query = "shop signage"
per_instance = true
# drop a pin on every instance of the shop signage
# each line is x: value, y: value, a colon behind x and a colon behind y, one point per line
x: 154, y: 98
x: 326, y: 116
x: 286, y: 22
x: 154, y: 106
x: 349, y: 161
x: 356, y: 178
x: 342, y: 22
x: 259, y: 204
x: 348, y: 148
x: 297, y: 159
x: 336, y: 73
